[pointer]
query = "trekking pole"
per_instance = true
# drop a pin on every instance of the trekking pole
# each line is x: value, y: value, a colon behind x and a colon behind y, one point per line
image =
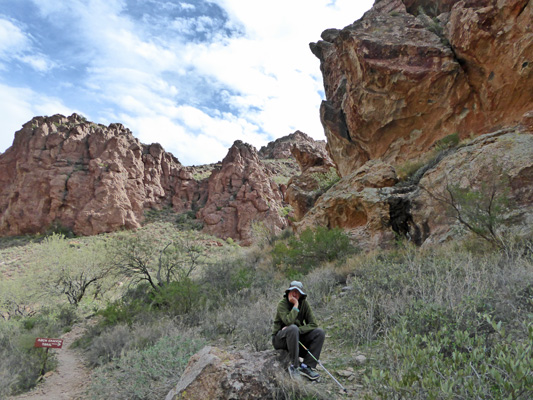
x: 322, y: 365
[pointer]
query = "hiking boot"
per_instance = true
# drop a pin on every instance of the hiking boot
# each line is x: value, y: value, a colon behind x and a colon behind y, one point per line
x: 294, y: 373
x: 309, y: 373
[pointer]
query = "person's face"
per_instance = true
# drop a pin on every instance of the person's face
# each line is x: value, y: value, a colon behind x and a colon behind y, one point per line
x: 295, y: 293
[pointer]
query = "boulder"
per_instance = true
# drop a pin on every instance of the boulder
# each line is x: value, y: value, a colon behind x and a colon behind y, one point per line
x: 214, y: 373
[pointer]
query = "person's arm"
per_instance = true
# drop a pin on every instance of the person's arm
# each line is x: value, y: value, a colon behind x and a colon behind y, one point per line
x: 287, y: 312
x: 308, y: 319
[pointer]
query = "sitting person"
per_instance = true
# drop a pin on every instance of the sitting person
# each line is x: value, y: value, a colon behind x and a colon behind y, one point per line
x: 294, y: 323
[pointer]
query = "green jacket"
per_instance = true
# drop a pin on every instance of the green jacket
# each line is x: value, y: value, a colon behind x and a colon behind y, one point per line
x: 287, y: 315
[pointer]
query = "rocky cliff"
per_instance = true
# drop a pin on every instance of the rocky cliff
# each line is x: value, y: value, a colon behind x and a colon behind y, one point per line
x: 411, y: 72
x: 414, y: 81
x: 69, y: 173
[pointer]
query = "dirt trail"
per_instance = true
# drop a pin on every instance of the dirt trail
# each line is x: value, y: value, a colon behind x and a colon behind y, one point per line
x: 71, y: 377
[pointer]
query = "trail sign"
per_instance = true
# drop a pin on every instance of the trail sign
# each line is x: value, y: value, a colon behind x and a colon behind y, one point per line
x: 49, y: 343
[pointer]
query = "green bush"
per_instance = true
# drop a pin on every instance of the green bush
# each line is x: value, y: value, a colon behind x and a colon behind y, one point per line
x: 299, y: 255
x: 146, y: 374
x: 450, y: 364
x: 325, y: 180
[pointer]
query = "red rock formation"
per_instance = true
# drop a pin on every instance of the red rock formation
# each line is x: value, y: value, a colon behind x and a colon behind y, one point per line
x: 70, y: 173
x: 281, y: 148
x: 241, y: 193
x: 369, y: 206
x: 357, y: 204
x: 86, y: 177
x: 398, y: 80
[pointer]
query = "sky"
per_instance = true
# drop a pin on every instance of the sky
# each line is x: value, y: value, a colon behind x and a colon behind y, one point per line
x: 192, y: 75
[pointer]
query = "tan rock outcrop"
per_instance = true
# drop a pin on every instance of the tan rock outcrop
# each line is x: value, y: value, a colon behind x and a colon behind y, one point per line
x: 213, y: 373
x: 504, y: 158
x: 369, y: 206
x: 357, y: 204
x: 399, y: 80
x: 240, y: 193
x: 303, y: 190
x: 281, y: 148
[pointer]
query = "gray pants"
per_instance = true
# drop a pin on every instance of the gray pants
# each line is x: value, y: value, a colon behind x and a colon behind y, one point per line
x: 287, y: 339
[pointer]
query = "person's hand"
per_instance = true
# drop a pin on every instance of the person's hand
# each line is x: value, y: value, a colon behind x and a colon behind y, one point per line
x: 293, y: 299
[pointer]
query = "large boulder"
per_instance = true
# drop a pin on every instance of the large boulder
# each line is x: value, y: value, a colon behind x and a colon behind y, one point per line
x: 411, y: 72
x: 214, y: 373
x: 358, y: 205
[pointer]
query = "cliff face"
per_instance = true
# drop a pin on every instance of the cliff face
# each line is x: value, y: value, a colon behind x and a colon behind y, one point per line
x: 408, y: 77
x: 86, y: 177
x: 70, y: 173
x: 414, y: 71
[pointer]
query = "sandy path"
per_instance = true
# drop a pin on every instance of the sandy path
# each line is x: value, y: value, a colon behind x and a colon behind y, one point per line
x: 71, y: 377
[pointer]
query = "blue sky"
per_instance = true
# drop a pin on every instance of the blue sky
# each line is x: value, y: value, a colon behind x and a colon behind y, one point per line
x: 193, y: 75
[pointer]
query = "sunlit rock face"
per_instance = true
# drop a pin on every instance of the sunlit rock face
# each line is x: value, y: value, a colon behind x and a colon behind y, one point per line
x: 70, y: 173
x: 241, y: 193
x: 411, y: 72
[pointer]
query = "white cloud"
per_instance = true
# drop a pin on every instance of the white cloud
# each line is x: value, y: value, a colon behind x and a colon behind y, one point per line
x: 19, y: 105
x: 187, y: 6
x: 163, y: 86
x: 12, y: 39
x: 15, y: 44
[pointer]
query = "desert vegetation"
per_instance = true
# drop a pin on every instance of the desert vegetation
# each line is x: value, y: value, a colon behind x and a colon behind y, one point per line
x: 447, y: 322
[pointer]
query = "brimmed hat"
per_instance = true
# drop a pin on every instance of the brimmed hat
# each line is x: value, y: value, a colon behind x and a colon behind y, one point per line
x: 298, y: 286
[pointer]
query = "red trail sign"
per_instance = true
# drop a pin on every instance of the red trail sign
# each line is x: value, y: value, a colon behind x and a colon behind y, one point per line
x: 48, y: 343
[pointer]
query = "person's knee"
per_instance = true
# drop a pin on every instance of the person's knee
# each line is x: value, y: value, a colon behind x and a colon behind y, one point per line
x: 292, y: 329
x: 320, y: 334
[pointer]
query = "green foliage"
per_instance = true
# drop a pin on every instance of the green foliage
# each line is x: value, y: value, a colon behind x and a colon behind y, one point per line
x: 447, y: 142
x: 457, y: 364
x: 325, y: 180
x: 73, y: 268
x: 301, y: 254
x: 187, y: 221
x: 145, y: 374
x: 21, y: 362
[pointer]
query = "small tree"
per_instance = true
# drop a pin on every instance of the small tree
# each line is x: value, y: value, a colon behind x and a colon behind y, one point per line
x: 72, y: 269
x: 144, y: 258
x: 311, y: 248
x: 482, y: 211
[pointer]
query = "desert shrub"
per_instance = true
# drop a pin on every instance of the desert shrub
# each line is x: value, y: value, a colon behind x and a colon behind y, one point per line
x: 456, y: 364
x: 325, y: 180
x: 431, y: 290
x: 188, y: 221
x: 105, y: 344
x: 146, y: 374
x: 299, y: 255
x: 21, y: 362
x: 73, y: 269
